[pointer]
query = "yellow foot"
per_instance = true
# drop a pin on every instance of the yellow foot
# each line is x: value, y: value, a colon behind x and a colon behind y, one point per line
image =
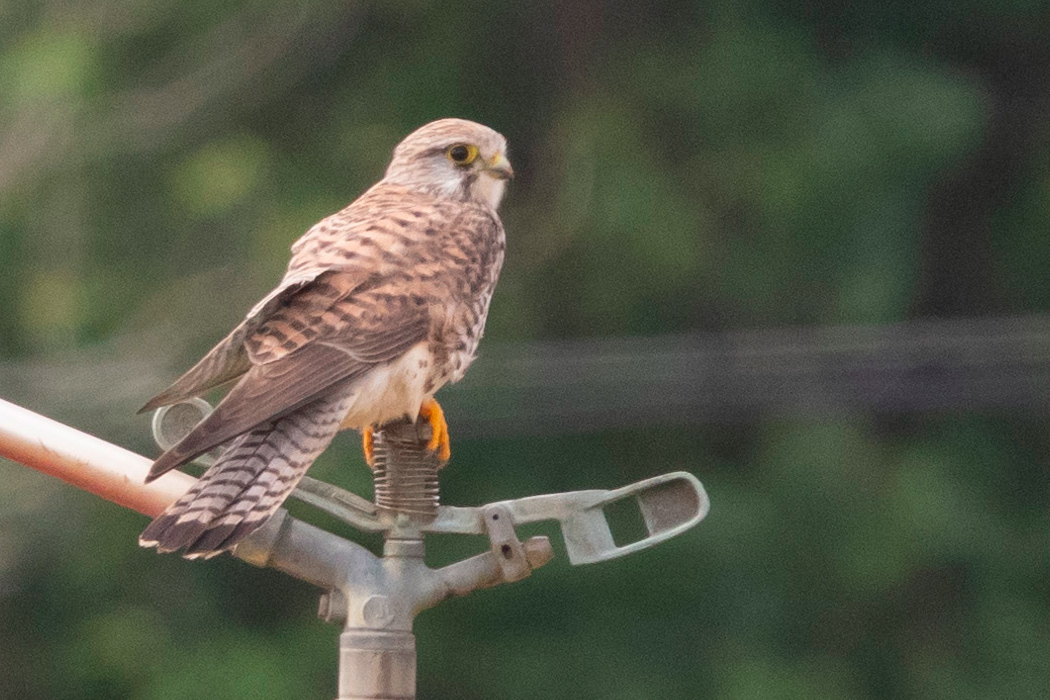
x: 439, y: 442
x: 368, y: 445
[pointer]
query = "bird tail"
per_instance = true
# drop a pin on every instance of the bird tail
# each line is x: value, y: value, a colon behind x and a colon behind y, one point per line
x: 248, y: 483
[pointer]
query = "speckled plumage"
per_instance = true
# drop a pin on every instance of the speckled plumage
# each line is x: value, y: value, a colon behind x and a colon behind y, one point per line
x: 382, y: 304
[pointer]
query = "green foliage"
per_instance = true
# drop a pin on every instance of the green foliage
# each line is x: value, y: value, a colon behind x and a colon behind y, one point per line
x: 681, y: 166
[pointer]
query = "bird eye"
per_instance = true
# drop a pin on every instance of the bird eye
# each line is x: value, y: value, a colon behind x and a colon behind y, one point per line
x: 462, y: 153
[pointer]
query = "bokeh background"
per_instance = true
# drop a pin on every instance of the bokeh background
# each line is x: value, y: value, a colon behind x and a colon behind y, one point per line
x: 798, y: 249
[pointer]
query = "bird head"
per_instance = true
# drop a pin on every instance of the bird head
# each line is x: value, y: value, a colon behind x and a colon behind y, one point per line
x: 453, y: 158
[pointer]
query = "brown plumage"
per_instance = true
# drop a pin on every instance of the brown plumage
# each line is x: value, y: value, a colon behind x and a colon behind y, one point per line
x: 383, y: 303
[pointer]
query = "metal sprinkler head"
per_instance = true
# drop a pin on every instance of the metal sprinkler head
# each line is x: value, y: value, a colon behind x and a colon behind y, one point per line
x: 377, y: 598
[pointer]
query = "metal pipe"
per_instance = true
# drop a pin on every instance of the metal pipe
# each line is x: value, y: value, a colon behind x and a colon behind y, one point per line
x: 377, y: 665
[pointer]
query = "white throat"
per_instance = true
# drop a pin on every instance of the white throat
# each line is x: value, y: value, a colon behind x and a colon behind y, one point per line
x: 489, y: 189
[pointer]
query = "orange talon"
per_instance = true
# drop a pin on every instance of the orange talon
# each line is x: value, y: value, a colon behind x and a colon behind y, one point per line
x: 439, y: 442
x: 368, y: 444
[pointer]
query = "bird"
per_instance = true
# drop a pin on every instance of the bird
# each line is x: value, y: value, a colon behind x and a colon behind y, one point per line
x: 382, y: 304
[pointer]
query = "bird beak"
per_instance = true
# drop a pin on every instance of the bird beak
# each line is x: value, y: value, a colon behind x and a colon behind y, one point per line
x: 499, y: 167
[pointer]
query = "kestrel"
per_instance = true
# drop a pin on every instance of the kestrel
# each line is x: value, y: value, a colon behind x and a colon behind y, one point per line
x: 383, y: 303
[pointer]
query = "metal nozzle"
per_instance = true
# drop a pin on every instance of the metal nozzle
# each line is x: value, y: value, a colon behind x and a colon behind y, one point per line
x: 404, y: 470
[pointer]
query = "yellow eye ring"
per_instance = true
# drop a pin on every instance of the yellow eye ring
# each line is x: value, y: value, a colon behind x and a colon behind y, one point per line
x: 462, y: 153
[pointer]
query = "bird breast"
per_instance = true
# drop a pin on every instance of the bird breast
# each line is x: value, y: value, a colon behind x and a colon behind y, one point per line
x: 393, y: 389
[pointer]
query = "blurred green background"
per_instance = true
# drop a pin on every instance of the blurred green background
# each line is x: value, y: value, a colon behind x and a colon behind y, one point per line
x: 682, y: 167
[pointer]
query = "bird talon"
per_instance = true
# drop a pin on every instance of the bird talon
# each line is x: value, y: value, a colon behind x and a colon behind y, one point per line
x: 439, y: 439
x: 368, y: 445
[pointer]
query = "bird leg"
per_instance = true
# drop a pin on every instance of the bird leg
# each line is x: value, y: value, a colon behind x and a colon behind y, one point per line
x: 439, y: 440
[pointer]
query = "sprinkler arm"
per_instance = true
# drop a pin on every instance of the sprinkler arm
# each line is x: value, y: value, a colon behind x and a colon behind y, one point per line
x: 669, y: 503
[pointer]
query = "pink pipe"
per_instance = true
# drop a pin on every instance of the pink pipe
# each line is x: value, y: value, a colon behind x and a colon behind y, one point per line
x: 85, y: 461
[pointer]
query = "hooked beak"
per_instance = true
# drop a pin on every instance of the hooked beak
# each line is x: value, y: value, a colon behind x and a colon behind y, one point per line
x: 499, y: 167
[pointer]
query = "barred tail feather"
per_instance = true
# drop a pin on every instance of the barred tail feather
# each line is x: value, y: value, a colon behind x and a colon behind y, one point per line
x: 248, y: 483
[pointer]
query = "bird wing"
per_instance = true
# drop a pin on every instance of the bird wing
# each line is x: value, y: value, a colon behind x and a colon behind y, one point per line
x: 229, y: 358
x: 321, y: 336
